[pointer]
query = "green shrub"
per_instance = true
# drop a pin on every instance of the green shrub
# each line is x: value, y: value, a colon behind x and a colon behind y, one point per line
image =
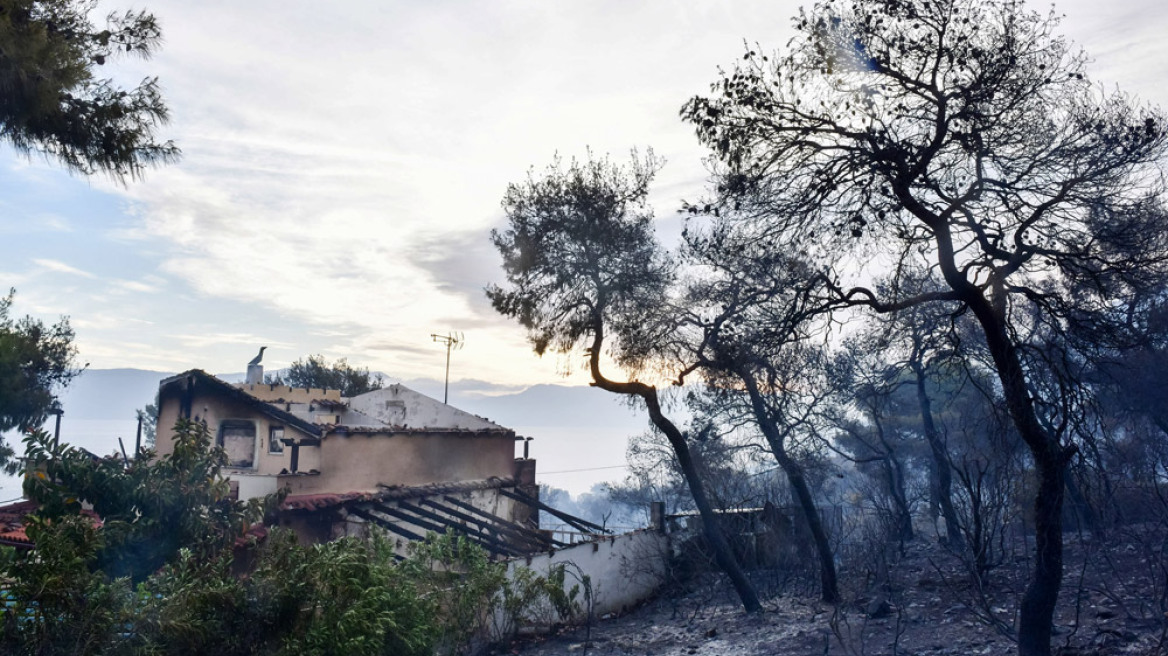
x: 170, y: 527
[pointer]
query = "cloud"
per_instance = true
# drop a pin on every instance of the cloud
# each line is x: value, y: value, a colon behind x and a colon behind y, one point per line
x: 11, y: 279
x: 61, y: 267
x: 53, y: 223
x: 342, y: 169
x: 349, y: 187
x: 136, y: 286
x: 47, y: 222
x: 95, y: 322
x: 461, y: 263
x: 208, y: 339
x: 399, y: 348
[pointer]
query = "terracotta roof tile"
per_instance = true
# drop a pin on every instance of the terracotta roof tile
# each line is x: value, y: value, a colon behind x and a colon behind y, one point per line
x: 322, y: 501
x: 12, y: 517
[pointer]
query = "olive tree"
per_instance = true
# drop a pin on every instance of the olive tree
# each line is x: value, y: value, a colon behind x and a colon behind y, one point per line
x: 963, y: 136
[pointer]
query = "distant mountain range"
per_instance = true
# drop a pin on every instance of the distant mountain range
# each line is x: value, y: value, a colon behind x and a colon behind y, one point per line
x: 109, y: 393
x: 117, y: 393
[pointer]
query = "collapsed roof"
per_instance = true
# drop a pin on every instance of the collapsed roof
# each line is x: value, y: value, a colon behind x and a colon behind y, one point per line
x: 317, y: 412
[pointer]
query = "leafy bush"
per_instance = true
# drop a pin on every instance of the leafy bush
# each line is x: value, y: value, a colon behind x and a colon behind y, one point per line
x: 55, y: 604
x: 158, y: 576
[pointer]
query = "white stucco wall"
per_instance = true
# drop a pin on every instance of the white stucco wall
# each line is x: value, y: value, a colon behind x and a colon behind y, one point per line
x: 624, y: 569
x: 398, y: 405
x: 252, y: 486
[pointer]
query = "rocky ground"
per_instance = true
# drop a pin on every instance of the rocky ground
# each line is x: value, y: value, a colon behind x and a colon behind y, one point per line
x: 919, y: 602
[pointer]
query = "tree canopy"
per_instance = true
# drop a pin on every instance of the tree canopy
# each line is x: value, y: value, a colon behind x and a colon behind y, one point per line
x: 35, y: 360
x: 315, y: 371
x: 579, y: 251
x: 584, y: 269
x: 53, y: 99
x: 150, y: 509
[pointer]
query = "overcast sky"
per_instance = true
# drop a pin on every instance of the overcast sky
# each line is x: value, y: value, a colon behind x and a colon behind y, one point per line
x: 344, y: 162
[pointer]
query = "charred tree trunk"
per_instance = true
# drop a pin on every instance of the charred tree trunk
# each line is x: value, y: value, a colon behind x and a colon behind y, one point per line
x: 972, y: 475
x: 723, y: 554
x: 1084, y: 513
x: 827, y: 575
x: 940, y: 461
x: 1036, y: 614
x: 894, y: 481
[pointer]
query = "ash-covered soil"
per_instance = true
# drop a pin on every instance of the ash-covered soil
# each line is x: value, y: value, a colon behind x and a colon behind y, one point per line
x: 919, y: 602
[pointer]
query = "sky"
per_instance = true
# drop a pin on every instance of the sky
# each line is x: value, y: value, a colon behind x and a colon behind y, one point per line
x: 343, y: 164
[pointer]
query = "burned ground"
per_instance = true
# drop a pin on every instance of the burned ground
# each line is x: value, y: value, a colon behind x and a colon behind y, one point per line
x: 916, y: 602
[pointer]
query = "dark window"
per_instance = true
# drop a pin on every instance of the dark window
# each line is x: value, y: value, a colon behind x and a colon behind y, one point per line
x: 238, y: 438
x: 275, y: 434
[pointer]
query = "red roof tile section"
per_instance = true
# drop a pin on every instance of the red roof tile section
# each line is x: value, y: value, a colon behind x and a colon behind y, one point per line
x: 12, y: 522
x: 322, y: 501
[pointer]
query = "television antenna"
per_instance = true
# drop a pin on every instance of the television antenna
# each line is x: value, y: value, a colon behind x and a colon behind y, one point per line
x: 453, y: 341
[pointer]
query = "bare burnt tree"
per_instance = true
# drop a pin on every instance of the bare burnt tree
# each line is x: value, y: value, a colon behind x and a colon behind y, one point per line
x: 1129, y: 413
x: 584, y: 269
x: 964, y: 136
x: 985, y: 457
x: 739, y: 325
x: 725, y: 465
x: 872, y: 429
x: 773, y: 400
x: 928, y: 352
x: 653, y: 475
x: 972, y: 447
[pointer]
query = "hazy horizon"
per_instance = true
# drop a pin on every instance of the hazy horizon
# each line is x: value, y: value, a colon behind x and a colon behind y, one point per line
x: 579, y: 432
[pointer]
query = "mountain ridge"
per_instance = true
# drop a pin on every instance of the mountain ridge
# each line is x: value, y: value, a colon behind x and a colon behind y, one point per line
x: 106, y: 394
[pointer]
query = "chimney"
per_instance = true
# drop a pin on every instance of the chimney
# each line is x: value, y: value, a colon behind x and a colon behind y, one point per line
x: 255, y: 374
x: 255, y: 371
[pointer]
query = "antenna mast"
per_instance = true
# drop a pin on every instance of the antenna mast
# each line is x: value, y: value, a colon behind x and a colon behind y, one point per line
x: 452, y: 341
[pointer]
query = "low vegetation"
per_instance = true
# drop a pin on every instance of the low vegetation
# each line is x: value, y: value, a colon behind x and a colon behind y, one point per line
x: 175, y: 566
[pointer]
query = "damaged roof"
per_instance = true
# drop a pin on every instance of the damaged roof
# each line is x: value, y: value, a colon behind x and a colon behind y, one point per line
x: 312, y: 502
x: 12, y: 529
x: 401, y: 407
x: 392, y: 409
x: 197, y: 380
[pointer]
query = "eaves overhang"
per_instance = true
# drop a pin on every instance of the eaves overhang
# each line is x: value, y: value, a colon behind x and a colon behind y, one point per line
x: 198, y: 381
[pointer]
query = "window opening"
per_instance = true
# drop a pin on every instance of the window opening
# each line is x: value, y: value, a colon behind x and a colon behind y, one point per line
x: 238, y: 438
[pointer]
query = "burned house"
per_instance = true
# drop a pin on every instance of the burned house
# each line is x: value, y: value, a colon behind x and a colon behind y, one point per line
x: 392, y: 457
